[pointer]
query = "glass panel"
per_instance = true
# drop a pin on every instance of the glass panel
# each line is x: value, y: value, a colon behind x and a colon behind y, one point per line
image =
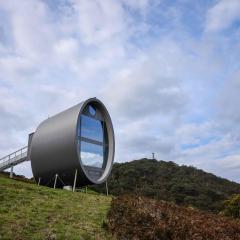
x: 91, y: 128
x: 92, y: 110
x: 91, y: 154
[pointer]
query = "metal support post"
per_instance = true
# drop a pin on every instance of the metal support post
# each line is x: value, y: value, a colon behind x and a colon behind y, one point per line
x: 106, y: 187
x: 75, y: 180
x: 39, y: 181
x: 11, y: 172
x: 55, y: 181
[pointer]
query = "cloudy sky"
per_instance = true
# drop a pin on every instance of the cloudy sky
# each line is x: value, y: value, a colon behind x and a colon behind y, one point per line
x: 168, y: 71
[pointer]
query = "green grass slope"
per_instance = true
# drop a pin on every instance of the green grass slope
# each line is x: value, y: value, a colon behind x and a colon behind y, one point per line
x: 31, y: 212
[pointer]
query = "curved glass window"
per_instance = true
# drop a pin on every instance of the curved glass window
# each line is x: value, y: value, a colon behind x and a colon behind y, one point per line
x: 92, y: 139
x: 92, y: 110
x: 91, y: 154
x: 91, y: 128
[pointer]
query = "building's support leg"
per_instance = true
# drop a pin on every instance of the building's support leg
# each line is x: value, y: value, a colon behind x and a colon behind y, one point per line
x: 75, y: 180
x: 106, y: 188
x: 39, y: 181
x: 55, y: 181
x: 86, y: 189
x: 11, y: 172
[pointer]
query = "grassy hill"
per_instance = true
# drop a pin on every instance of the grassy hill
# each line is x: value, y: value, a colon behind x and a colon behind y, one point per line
x: 31, y: 212
x: 28, y: 211
x: 168, y: 181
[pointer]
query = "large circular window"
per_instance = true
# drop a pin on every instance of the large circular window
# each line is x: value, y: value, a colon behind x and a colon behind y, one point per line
x: 93, y: 141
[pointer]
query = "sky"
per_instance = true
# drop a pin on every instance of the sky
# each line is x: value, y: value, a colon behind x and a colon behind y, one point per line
x: 168, y: 72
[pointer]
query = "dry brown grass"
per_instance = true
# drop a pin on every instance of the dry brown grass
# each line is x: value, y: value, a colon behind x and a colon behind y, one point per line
x: 141, y: 218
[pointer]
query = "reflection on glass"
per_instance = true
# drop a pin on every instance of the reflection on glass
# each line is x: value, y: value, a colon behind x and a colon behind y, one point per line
x: 91, y: 128
x: 92, y: 110
x: 91, y: 154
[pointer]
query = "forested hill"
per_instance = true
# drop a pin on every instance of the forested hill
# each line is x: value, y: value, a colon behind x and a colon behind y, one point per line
x: 168, y: 181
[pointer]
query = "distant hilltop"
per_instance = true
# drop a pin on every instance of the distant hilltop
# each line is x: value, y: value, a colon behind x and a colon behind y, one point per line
x: 183, y: 185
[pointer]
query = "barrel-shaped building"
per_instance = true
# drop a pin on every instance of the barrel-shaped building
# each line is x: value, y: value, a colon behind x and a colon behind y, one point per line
x: 77, y: 145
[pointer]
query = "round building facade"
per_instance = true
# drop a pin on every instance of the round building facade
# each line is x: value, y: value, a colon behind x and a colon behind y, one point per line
x: 76, y: 145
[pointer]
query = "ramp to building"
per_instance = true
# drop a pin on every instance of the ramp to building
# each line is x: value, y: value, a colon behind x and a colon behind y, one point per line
x: 14, y: 159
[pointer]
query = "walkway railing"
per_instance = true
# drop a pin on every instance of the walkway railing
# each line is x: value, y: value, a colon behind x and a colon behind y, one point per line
x: 13, y: 158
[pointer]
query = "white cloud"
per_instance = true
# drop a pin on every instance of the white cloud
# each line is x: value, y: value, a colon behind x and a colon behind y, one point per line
x: 98, y: 21
x: 67, y: 47
x: 229, y: 165
x: 160, y: 85
x: 91, y: 159
x: 32, y: 32
x: 148, y: 85
x: 222, y: 15
x: 14, y: 67
x: 228, y: 109
x: 231, y: 162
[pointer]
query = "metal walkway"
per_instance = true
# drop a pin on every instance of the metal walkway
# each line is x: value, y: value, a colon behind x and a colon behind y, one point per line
x: 14, y: 158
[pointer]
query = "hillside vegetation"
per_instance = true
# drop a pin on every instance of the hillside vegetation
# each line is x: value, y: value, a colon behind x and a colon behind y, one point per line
x: 141, y: 218
x: 28, y: 211
x: 232, y: 207
x: 167, y: 181
x: 31, y: 212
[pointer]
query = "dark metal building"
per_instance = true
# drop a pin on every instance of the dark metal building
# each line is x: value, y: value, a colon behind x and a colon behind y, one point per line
x: 76, y: 145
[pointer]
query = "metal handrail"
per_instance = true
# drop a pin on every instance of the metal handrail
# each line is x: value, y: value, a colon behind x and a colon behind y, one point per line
x: 13, y: 155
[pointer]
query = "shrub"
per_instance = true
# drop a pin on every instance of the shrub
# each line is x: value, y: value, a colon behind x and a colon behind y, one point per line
x: 140, y: 218
x: 232, y: 206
